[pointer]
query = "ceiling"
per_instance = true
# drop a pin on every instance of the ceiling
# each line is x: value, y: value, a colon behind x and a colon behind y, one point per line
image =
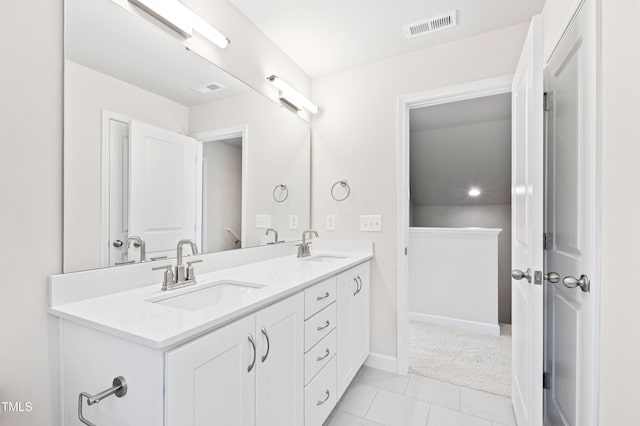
x: 105, y: 37
x: 323, y: 37
x: 460, y: 145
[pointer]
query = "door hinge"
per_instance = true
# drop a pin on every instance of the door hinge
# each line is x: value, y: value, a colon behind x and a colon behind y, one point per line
x: 546, y: 381
x: 545, y: 102
x: 546, y: 241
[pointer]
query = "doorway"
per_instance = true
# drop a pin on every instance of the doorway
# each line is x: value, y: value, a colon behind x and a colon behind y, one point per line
x: 460, y: 243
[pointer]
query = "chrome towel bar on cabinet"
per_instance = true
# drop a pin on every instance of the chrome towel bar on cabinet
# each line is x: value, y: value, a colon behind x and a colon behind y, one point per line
x: 118, y: 388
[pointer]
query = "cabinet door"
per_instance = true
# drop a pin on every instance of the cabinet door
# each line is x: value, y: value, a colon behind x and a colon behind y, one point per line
x: 208, y: 381
x: 352, y: 323
x: 360, y: 326
x: 280, y: 365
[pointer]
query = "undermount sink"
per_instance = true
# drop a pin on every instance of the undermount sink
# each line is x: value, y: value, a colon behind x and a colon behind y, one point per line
x: 326, y: 258
x: 210, y: 295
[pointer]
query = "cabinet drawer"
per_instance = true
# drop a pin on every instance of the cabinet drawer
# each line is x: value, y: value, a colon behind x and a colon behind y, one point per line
x: 319, y: 296
x: 320, y: 396
x: 319, y: 356
x: 318, y: 326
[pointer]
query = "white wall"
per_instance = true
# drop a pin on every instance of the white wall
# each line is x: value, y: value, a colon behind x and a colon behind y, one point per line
x: 354, y: 137
x: 453, y: 273
x: 223, y: 195
x: 87, y: 93
x: 31, y: 207
x: 278, y: 150
x: 489, y: 216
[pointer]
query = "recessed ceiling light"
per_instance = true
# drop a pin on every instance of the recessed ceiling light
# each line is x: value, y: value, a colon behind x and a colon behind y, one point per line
x: 474, y: 192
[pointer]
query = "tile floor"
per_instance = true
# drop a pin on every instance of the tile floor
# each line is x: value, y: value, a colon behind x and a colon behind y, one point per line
x: 377, y: 397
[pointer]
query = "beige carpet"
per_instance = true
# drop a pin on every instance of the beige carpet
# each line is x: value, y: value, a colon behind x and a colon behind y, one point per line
x: 473, y: 360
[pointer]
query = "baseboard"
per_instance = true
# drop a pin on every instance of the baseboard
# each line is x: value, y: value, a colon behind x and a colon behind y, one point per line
x: 382, y: 362
x: 477, y: 327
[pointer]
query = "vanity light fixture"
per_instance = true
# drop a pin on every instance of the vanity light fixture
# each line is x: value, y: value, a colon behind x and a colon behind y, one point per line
x: 474, y: 192
x: 181, y: 19
x: 291, y: 96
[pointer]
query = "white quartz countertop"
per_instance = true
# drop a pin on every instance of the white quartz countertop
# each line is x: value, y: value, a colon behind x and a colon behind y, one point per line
x: 130, y: 315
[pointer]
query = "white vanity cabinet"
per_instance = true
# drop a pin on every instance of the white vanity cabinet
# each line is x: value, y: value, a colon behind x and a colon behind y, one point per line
x: 247, y: 373
x: 353, y: 323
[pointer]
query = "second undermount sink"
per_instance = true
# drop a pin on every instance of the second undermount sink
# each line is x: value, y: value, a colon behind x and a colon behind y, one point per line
x: 326, y: 258
x: 209, y: 295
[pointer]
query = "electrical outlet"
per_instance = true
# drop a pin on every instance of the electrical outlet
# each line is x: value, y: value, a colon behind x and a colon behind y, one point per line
x: 331, y: 222
x: 293, y: 221
x: 263, y: 221
x: 371, y: 223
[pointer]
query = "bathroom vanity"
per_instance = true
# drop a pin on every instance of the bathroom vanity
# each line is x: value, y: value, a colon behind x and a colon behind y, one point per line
x: 273, y: 342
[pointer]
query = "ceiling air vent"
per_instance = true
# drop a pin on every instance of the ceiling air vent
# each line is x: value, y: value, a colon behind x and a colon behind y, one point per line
x: 209, y: 88
x: 435, y: 23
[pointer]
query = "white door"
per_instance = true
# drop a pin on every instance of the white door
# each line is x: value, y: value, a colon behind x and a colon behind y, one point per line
x: 162, y: 188
x: 571, y: 140
x: 280, y: 369
x: 527, y: 226
x: 211, y: 381
x: 118, y: 191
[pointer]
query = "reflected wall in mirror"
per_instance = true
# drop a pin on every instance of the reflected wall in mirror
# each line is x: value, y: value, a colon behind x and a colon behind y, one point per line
x: 162, y: 145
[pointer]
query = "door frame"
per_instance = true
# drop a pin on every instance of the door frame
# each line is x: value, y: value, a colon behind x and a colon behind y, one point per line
x: 217, y: 135
x: 461, y: 92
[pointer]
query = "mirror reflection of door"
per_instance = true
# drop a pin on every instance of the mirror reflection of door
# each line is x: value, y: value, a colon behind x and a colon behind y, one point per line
x: 152, y: 191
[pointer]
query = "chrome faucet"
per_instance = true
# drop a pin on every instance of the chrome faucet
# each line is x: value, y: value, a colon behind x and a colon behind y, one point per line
x: 303, y: 249
x: 138, y: 242
x: 275, y: 231
x: 183, y: 275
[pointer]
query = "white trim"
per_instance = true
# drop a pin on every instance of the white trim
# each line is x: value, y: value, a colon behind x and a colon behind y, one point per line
x: 105, y: 189
x: 474, y: 326
x: 201, y: 187
x: 572, y: 12
x: 227, y: 133
x: 465, y: 231
x: 381, y: 362
x: 475, y: 89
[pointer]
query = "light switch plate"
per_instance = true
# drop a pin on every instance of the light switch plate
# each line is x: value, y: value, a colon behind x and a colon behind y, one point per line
x: 293, y: 221
x: 371, y: 223
x: 331, y: 222
x: 263, y: 221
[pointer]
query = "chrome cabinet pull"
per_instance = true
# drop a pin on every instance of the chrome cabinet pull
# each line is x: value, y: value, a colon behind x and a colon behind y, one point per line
x: 517, y: 275
x: 573, y: 282
x: 356, y: 281
x: 325, y: 399
x: 264, y: 333
x: 359, y: 284
x: 322, y: 327
x: 326, y: 354
x: 326, y: 294
x: 253, y: 346
x: 118, y: 388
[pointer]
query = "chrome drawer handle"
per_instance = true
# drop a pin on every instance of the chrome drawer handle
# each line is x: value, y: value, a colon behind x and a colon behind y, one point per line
x: 253, y: 346
x: 326, y: 294
x: 326, y: 354
x: 322, y: 327
x: 325, y: 399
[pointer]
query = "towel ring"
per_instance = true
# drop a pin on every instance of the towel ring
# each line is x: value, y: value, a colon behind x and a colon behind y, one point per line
x: 344, y: 184
x: 284, y: 190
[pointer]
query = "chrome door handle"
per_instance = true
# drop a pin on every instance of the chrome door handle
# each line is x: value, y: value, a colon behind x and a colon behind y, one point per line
x: 326, y: 354
x: 325, y: 399
x: 573, y: 282
x: 266, y: 336
x: 517, y: 274
x: 326, y: 294
x: 118, y: 243
x: 322, y: 327
x: 552, y: 277
x: 253, y: 345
